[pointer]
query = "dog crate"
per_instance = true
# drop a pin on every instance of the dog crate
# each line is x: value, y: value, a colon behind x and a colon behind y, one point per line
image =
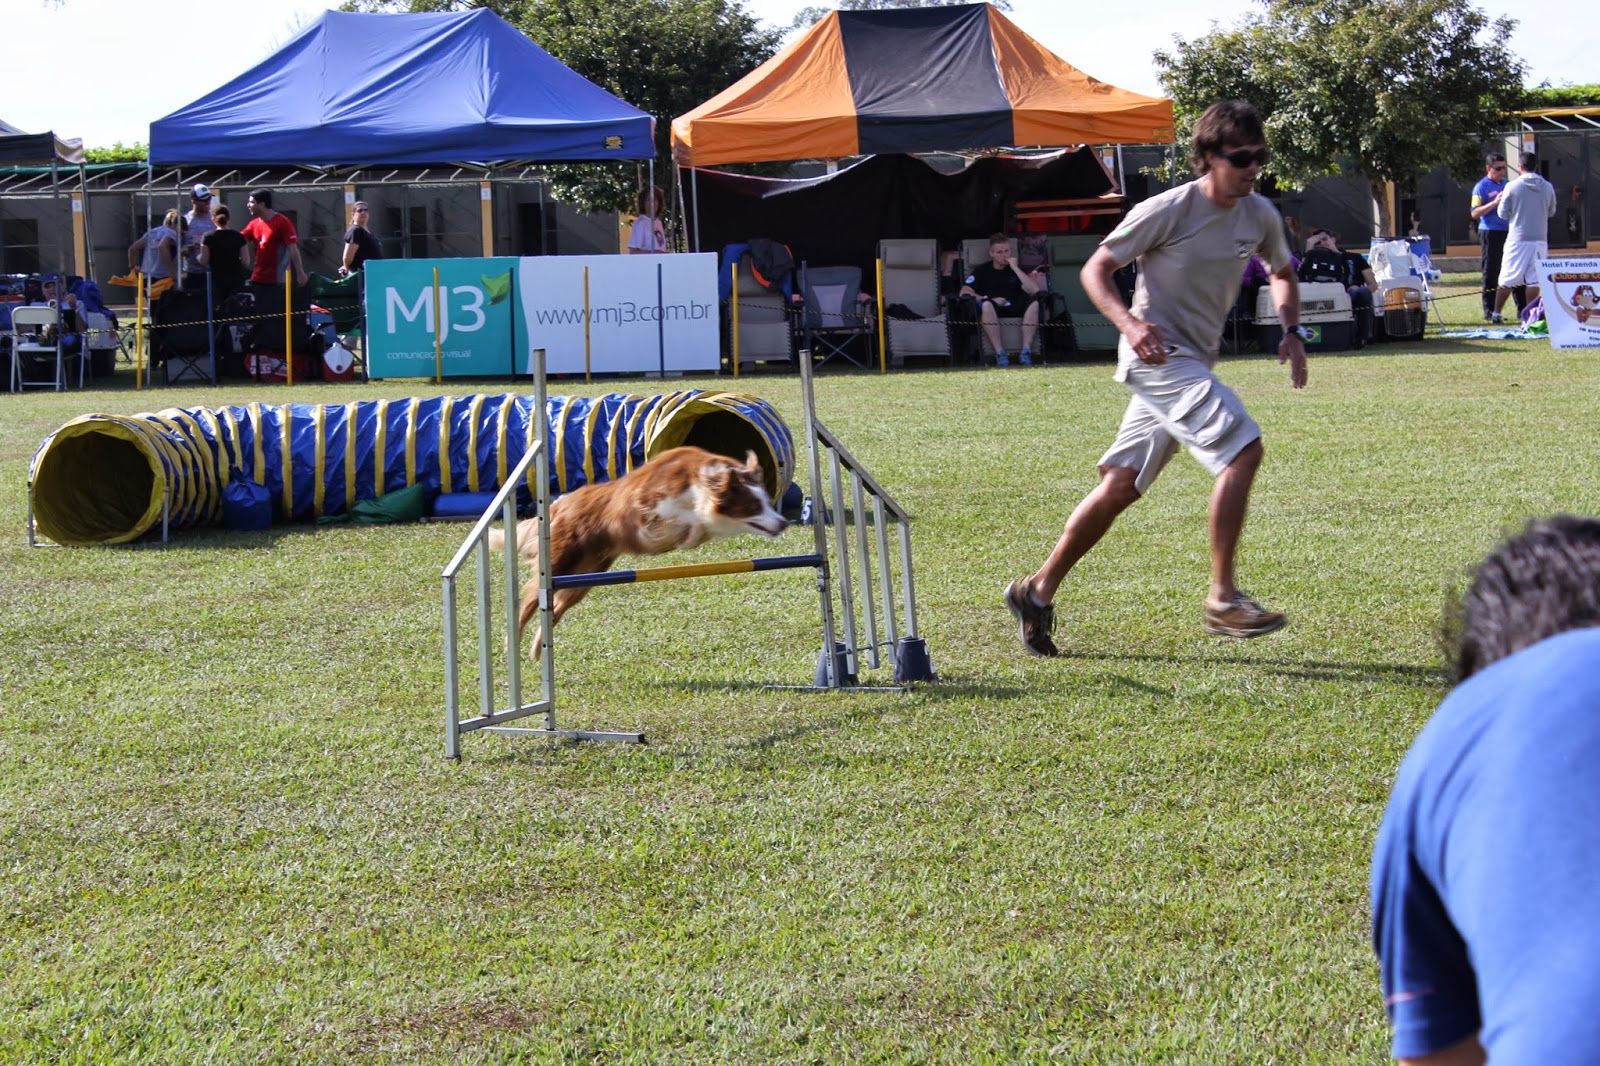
x: 1324, y: 310
x: 1404, y: 312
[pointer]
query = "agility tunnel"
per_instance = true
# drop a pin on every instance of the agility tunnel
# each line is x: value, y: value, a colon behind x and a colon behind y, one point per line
x: 103, y: 479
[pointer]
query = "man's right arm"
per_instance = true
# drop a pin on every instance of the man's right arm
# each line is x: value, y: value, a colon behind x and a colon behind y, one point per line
x: 1482, y: 205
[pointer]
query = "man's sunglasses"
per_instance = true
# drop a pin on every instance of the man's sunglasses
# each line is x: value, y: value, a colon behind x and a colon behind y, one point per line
x: 1240, y: 158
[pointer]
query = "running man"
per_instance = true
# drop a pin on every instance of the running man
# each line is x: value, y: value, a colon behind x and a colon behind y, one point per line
x: 1192, y: 243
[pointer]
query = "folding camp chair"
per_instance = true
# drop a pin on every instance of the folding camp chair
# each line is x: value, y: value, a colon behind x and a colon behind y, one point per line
x: 31, y: 350
x: 760, y: 325
x: 183, y: 338
x: 836, y: 323
x: 914, y: 312
x: 1091, y: 331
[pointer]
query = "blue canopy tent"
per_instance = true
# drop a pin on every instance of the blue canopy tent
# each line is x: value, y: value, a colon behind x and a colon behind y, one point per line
x: 355, y: 90
x: 404, y: 89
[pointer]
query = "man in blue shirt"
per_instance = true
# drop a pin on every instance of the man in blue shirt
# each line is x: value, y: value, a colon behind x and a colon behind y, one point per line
x: 1492, y: 232
x: 1485, y: 916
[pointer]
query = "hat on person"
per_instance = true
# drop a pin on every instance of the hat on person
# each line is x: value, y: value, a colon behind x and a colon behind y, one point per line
x: 201, y: 191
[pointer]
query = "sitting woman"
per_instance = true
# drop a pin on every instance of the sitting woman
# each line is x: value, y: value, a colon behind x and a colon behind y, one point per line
x: 73, y: 322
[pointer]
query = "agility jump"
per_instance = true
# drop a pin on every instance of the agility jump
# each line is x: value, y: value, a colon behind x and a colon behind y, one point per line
x: 839, y: 661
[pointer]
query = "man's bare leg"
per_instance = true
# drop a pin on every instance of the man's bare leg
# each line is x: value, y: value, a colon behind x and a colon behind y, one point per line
x: 1030, y: 325
x: 1089, y: 521
x: 991, y: 329
x: 1230, y: 500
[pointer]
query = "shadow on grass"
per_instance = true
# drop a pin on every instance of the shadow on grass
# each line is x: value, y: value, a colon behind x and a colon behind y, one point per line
x: 1422, y: 676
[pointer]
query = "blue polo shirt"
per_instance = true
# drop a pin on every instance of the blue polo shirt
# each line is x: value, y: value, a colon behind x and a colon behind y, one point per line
x: 1486, y: 190
x: 1486, y: 872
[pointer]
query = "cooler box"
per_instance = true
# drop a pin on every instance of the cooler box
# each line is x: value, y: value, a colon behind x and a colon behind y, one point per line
x: 1324, y: 310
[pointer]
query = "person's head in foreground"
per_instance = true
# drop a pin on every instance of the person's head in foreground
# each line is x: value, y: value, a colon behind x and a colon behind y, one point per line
x: 1543, y: 581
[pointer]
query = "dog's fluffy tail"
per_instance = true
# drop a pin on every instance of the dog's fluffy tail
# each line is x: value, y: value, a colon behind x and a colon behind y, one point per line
x: 527, y: 538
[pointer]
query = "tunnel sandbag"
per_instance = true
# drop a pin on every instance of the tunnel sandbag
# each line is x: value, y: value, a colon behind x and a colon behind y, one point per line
x: 103, y: 479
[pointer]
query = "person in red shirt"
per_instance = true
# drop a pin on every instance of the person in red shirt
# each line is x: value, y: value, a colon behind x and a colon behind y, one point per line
x: 272, y: 239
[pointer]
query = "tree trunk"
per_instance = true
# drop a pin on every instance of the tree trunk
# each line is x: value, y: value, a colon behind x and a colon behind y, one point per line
x: 1380, y: 197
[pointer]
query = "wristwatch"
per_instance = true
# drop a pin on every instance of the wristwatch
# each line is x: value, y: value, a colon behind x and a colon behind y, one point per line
x: 1299, y: 331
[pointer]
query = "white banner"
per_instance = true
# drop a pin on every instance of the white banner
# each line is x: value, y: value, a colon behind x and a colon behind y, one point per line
x: 1570, y: 291
x: 639, y: 312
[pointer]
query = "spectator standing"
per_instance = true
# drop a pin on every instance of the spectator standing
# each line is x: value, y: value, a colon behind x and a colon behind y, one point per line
x: 1003, y: 290
x: 1492, y: 231
x: 648, y: 234
x: 155, y: 255
x: 359, y: 242
x: 1484, y: 915
x: 222, y: 253
x: 199, y: 223
x: 1527, y: 205
x: 1190, y: 243
x: 272, y: 240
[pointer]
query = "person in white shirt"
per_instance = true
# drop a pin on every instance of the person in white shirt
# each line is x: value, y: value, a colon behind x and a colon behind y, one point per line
x: 1527, y: 205
x: 198, y: 223
x: 647, y: 234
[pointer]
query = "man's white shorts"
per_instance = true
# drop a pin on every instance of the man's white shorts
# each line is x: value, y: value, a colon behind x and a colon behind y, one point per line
x: 1520, y: 266
x: 1179, y: 402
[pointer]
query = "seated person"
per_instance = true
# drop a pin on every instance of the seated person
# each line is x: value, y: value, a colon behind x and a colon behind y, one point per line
x: 1325, y: 261
x: 72, y: 318
x: 1003, y: 290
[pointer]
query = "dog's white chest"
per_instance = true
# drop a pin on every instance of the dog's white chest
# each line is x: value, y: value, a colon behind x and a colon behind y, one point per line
x: 676, y: 522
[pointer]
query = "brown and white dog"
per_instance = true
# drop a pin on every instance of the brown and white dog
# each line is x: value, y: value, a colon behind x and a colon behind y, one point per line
x: 680, y: 499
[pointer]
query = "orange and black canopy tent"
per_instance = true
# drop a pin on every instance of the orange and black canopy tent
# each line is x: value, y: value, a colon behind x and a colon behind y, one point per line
x: 912, y: 80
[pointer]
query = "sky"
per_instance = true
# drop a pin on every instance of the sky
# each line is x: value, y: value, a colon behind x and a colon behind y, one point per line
x: 96, y: 74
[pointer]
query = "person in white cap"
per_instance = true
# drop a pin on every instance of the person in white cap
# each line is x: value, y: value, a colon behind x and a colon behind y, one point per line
x: 200, y: 224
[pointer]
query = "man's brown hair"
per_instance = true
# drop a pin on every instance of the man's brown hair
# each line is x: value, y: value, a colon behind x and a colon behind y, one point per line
x: 1226, y: 122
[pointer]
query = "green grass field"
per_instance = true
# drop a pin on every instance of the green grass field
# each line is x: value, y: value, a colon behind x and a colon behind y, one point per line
x: 228, y: 834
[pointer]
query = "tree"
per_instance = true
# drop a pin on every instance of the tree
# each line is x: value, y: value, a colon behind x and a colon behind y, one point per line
x: 137, y: 152
x: 1548, y: 95
x: 1393, y: 87
x: 810, y: 16
x: 662, y: 56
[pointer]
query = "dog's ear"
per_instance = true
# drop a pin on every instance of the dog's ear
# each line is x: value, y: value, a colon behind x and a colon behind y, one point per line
x: 750, y: 460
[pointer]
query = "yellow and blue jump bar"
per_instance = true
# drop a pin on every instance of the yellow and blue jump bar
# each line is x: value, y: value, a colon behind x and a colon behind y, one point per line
x: 669, y: 573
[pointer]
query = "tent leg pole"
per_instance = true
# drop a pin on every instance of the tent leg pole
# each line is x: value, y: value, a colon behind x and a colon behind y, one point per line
x: 694, y: 192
